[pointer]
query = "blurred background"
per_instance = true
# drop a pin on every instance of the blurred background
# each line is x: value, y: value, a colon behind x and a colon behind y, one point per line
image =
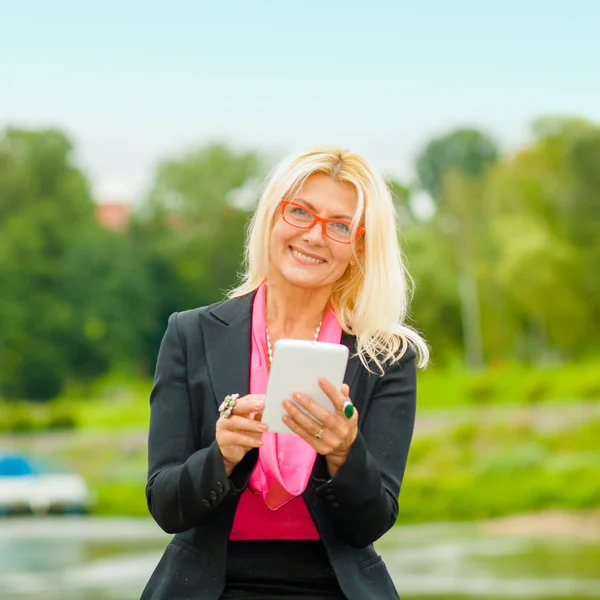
x: 133, y: 141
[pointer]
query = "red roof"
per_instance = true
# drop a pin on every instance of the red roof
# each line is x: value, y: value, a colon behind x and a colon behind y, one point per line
x: 113, y: 215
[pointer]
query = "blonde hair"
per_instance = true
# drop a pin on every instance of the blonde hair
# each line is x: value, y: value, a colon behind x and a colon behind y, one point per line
x: 370, y: 300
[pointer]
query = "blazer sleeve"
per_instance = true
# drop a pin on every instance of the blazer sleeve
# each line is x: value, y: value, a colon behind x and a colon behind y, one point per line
x: 362, y: 498
x: 185, y: 485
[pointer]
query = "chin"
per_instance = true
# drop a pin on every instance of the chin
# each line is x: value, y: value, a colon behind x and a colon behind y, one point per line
x: 302, y: 278
x: 308, y: 283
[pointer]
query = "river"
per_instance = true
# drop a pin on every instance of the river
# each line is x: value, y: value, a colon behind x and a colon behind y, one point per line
x: 76, y: 558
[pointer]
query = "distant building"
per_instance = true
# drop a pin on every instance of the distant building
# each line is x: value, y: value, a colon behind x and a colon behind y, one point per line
x: 113, y: 215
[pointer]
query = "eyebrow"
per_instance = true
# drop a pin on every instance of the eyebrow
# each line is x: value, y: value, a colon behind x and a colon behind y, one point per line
x: 342, y: 217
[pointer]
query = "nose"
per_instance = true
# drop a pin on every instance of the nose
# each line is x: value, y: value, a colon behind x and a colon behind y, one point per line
x: 315, y: 235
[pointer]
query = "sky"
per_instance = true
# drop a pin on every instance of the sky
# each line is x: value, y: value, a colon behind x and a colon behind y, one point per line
x: 135, y: 82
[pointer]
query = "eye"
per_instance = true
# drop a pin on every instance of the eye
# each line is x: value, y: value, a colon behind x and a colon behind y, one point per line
x: 296, y: 210
x: 342, y: 227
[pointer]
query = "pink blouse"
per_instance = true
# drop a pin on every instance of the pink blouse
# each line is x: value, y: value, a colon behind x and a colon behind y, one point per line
x: 272, y: 507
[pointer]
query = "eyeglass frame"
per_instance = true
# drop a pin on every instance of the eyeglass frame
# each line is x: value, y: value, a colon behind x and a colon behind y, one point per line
x: 316, y: 219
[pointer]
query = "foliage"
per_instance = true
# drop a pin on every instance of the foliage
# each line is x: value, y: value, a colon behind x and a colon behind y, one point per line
x: 468, y: 463
x: 44, y: 203
x: 482, y: 469
x: 503, y: 268
x: 467, y: 151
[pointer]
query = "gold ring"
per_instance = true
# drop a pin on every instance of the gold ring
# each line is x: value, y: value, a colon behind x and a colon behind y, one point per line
x: 319, y: 435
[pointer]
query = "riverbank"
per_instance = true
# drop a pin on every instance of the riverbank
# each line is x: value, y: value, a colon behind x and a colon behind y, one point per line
x: 553, y: 524
x: 467, y: 463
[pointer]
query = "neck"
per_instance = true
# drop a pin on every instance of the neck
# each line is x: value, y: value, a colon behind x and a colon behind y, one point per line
x: 292, y: 310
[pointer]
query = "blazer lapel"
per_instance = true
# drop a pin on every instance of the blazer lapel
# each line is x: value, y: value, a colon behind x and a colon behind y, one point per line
x: 227, y: 329
x: 353, y: 362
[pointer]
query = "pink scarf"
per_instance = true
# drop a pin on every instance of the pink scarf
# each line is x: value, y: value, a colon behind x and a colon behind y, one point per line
x: 285, y: 460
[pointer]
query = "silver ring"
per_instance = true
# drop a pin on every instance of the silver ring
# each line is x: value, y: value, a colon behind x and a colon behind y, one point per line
x: 227, y: 406
x: 319, y: 435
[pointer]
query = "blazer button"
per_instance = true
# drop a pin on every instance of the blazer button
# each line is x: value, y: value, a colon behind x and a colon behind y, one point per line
x: 212, y: 495
x: 335, y: 504
x: 206, y: 502
x: 330, y: 497
x: 219, y: 486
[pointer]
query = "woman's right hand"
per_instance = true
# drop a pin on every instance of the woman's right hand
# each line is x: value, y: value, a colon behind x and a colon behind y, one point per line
x: 242, y: 431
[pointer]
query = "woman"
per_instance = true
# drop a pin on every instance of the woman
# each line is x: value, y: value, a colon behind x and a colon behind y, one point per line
x: 265, y: 515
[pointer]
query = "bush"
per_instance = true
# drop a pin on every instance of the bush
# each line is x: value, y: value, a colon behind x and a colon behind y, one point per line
x: 29, y: 417
x: 480, y: 390
x: 117, y: 498
x: 535, y: 387
x: 61, y: 420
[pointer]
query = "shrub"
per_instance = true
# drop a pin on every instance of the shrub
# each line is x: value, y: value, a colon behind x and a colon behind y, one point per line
x: 536, y: 387
x: 480, y: 390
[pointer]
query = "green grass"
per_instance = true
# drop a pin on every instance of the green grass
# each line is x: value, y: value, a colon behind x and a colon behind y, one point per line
x: 506, y: 441
x: 481, y: 469
x: 119, y: 402
x: 508, y: 384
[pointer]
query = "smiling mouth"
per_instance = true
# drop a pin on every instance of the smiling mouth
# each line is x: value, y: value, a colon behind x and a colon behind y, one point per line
x: 306, y: 257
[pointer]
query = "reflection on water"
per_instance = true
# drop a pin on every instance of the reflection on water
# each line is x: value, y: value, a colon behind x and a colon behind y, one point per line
x: 100, y: 559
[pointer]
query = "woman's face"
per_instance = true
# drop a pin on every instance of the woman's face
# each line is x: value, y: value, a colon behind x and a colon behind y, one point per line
x: 306, y: 258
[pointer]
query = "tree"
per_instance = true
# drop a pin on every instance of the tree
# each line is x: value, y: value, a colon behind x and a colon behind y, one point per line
x: 44, y: 202
x: 191, y: 232
x: 192, y: 189
x: 545, y: 220
x: 452, y: 169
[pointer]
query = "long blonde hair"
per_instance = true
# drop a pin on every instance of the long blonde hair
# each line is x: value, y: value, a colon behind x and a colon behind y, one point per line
x: 370, y: 300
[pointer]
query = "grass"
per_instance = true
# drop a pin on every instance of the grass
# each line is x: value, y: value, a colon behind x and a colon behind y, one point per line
x: 506, y: 441
x: 116, y: 402
x: 509, y: 384
x: 487, y: 469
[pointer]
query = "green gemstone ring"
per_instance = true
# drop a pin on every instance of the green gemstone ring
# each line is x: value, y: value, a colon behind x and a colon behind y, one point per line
x: 348, y: 409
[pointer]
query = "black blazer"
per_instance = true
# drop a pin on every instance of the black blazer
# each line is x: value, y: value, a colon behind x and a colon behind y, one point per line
x: 205, y: 355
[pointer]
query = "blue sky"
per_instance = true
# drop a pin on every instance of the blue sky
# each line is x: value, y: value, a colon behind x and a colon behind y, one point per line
x: 133, y: 82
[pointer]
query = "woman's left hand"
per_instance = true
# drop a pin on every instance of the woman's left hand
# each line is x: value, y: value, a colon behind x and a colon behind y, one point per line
x: 334, y: 439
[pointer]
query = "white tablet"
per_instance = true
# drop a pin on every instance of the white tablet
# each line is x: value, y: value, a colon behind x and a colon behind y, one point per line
x: 297, y: 367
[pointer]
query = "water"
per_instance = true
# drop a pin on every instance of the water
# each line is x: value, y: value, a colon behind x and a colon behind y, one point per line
x: 111, y: 559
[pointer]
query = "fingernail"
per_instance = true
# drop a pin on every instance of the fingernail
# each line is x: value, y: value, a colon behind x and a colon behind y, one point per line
x: 296, y: 396
x: 263, y: 427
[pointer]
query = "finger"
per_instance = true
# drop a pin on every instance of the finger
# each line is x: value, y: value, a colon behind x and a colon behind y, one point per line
x: 236, y: 438
x: 346, y: 390
x: 236, y: 423
x: 318, y: 445
x: 249, y: 404
x: 316, y: 410
x: 307, y: 423
x: 337, y: 398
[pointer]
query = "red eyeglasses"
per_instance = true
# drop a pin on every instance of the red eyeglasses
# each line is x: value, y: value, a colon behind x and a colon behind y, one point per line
x: 301, y: 217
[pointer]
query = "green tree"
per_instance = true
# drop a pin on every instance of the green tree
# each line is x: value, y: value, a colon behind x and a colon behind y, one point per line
x: 44, y: 202
x: 544, y: 225
x: 193, y: 188
x: 191, y: 229
x: 452, y: 169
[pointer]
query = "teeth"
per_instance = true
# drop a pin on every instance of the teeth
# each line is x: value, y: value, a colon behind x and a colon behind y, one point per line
x: 308, y: 258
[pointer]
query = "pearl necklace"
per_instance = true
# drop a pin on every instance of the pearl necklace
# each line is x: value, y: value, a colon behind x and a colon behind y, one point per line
x: 270, y: 349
